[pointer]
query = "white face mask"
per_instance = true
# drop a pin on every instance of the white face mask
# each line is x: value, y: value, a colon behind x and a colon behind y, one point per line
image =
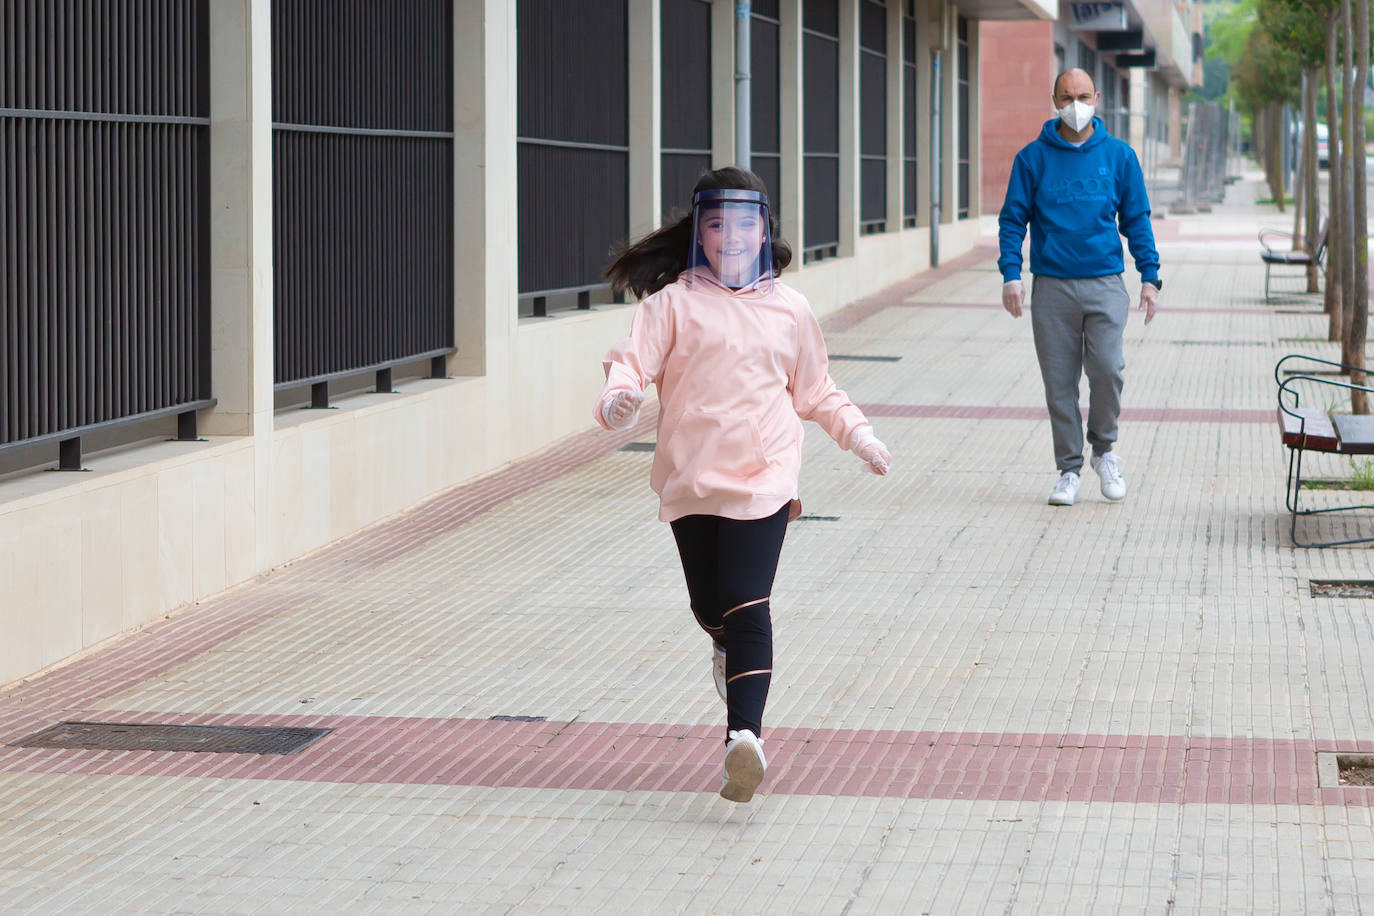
x: 1077, y: 115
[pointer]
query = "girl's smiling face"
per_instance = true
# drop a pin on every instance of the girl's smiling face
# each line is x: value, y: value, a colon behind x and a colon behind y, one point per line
x: 731, y: 237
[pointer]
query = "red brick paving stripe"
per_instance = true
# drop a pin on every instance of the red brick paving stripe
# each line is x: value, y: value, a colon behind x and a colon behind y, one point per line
x: 1150, y: 769
x: 1128, y: 414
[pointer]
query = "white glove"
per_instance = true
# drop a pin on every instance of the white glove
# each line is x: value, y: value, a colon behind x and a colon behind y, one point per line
x: 622, y: 410
x: 868, y: 447
x: 1013, y: 297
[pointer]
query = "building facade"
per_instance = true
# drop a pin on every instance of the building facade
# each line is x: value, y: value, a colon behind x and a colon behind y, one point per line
x: 1143, y: 55
x: 275, y: 271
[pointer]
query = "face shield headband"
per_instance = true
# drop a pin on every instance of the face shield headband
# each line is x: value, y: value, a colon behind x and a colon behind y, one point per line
x: 731, y: 241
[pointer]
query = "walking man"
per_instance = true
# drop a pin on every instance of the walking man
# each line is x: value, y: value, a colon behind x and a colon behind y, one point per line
x: 1079, y: 189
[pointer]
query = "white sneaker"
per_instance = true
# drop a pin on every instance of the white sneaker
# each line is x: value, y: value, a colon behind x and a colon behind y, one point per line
x: 1065, y: 491
x: 1108, y: 468
x: 744, y: 766
x: 718, y: 668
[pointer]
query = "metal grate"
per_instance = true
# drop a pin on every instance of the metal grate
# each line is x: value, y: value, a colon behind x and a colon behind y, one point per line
x: 686, y: 99
x: 519, y: 719
x: 572, y: 146
x: 861, y: 358
x: 821, y: 126
x: 216, y: 739
x: 104, y: 243
x: 637, y: 447
x: 362, y: 159
x: 873, y: 114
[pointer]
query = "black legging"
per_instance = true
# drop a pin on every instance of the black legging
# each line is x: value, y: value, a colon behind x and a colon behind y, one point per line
x: 729, y: 565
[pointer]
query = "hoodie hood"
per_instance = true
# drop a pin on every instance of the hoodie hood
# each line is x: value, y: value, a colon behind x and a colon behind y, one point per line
x: 761, y: 288
x: 1049, y: 133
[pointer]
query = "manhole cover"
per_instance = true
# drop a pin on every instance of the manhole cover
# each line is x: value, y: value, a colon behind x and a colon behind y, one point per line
x: 865, y: 359
x: 219, y: 739
x: 1342, y: 588
x: 1349, y: 770
x: 637, y: 447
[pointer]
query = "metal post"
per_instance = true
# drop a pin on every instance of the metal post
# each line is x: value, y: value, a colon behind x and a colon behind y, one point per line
x: 743, y: 117
x: 935, y: 59
x: 69, y: 454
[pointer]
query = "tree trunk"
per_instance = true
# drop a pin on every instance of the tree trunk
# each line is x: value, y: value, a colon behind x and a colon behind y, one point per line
x: 1309, y: 160
x: 1274, y: 127
x: 1359, y: 400
x: 1348, y: 186
x: 1334, y: 189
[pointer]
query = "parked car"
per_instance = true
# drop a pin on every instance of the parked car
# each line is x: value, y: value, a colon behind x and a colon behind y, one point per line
x: 1321, y: 145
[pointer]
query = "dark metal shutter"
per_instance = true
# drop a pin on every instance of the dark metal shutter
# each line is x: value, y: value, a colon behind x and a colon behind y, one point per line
x: 104, y: 241
x: 821, y: 127
x: 686, y: 82
x: 873, y: 115
x: 362, y: 189
x: 572, y: 156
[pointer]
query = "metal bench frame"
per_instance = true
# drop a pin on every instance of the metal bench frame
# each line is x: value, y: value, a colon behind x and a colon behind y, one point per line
x: 1295, y: 258
x: 1309, y: 442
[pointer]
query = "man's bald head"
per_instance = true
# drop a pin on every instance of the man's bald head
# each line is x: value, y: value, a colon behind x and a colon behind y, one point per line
x: 1074, y: 71
x: 1074, y: 85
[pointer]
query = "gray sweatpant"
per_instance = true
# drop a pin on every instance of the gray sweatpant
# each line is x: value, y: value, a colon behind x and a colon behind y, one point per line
x: 1078, y: 325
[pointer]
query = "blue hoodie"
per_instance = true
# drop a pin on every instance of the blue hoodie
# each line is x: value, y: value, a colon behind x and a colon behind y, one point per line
x: 1074, y: 199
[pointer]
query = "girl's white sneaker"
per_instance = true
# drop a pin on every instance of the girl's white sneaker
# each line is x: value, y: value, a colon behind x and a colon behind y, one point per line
x: 744, y: 766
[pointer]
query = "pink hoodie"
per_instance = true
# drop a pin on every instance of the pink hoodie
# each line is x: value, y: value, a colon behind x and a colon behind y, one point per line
x: 736, y: 372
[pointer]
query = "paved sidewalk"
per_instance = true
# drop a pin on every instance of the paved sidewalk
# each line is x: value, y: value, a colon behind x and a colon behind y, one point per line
x: 980, y: 703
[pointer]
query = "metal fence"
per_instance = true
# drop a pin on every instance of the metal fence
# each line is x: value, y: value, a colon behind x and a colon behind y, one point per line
x: 765, y: 100
x: 910, y: 100
x: 872, y: 116
x: 821, y: 128
x: 964, y: 99
x: 686, y: 95
x: 362, y: 190
x: 572, y: 152
x: 1209, y: 138
x: 104, y: 246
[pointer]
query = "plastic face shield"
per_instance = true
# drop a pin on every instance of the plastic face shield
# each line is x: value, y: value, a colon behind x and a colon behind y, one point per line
x: 730, y: 239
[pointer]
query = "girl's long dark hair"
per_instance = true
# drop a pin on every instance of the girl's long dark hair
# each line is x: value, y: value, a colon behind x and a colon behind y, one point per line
x: 655, y: 260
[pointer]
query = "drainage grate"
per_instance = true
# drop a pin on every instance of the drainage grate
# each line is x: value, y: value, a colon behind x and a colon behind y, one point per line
x: 818, y: 518
x: 1342, y: 588
x: 519, y: 719
x: 1222, y: 343
x: 637, y: 447
x: 866, y: 359
x: 218, y: 739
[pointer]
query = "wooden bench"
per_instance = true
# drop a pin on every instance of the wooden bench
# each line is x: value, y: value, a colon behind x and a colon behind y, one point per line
x: 1273, y: 257
x: 1307, y: 429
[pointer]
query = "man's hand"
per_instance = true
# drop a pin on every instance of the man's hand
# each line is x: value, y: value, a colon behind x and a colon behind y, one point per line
x: 1149, y: 300
x: 1013, y: 297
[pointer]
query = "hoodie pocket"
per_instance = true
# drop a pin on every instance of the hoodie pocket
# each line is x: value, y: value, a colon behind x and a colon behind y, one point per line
x: 710, y: 449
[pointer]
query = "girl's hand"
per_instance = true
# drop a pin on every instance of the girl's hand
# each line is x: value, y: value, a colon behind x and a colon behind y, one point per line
x: 622, y: 410
x: 868, y: 447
